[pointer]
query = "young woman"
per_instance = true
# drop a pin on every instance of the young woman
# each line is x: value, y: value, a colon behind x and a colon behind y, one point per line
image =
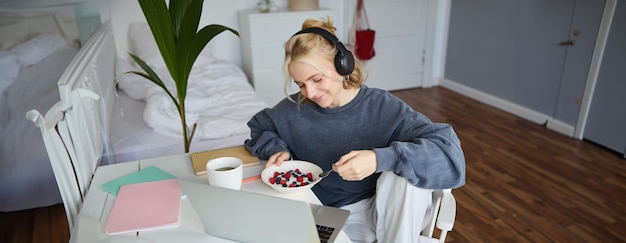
x: 387, y: 157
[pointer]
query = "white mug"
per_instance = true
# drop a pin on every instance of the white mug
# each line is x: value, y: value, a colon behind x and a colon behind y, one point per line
x: 225, y: 172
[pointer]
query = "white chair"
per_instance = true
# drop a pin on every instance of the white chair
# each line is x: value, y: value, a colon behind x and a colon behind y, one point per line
x: 69, y: 143
x: 443, y: 216
x: 85, y: 126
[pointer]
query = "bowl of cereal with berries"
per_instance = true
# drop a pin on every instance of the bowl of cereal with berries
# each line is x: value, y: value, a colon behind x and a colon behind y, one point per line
x: 292, y: 176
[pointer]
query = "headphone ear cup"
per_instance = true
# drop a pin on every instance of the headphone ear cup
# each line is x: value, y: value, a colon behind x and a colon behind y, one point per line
x: 344, y: 61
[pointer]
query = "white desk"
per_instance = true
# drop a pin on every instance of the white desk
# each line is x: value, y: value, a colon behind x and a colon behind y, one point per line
x: 94, y: 213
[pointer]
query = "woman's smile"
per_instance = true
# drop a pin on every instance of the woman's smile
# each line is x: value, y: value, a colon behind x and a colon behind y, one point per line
x: 317, y: 99
x: 325, y: 91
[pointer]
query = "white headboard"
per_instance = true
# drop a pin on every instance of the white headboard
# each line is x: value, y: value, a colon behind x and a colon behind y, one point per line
x: 91, y: 74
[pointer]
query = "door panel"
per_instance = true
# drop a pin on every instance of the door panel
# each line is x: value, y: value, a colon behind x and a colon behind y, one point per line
x: 584, y: 30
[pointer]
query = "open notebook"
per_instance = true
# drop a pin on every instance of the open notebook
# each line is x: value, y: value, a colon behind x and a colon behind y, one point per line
x: 199, y: 159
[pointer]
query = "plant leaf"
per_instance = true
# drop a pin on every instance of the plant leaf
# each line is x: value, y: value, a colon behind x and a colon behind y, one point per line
x: 189, y: 54
x: 152, y: 76
x: 186, y: 33
x: 205, y: 35
x: 178, y: 9
x: 160, y: 23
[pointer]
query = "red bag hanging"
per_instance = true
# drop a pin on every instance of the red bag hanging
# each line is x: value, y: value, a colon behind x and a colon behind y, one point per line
x: 364, y: 36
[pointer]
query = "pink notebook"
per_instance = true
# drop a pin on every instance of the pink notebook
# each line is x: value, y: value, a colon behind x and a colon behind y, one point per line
x: 144, y: 206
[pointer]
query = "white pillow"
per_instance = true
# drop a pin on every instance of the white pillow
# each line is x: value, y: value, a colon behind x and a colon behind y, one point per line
x: 9, y: 68
x: 36, y: 49
x: 143, y: 45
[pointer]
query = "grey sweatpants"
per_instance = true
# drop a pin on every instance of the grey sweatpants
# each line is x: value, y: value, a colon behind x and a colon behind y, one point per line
x: 397, y: 213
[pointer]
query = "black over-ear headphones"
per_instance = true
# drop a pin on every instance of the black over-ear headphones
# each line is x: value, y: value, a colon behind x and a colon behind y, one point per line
x: 344, y: 60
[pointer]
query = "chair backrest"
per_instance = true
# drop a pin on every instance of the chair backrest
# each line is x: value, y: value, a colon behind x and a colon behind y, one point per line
x: 60, y: 149
x: 443, y: 215
x: 84, y: 123
x: 68, y: 141
x: 75, y: 129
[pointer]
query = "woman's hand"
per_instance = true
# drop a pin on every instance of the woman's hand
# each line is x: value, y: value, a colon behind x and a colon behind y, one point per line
x: 278, y: 158
x: 356, y: 165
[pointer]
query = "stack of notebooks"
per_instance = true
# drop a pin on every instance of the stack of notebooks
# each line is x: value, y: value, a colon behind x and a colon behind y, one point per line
x: 145, y: 200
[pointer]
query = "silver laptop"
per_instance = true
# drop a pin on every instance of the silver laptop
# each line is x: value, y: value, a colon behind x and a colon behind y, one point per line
x: 251, y: 217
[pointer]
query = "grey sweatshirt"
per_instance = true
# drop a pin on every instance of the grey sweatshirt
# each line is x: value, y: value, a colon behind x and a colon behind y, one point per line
x: 406, y: 142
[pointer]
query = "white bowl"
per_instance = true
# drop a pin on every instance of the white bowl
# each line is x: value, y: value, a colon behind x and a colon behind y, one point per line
x: 304, y: 166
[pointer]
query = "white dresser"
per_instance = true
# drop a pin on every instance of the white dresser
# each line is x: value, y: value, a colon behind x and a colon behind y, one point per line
x: 262, y: 38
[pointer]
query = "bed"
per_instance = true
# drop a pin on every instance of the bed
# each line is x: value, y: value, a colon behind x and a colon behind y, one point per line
x: 220, y: 100
x: 135, y: 120
x: 35, y: 48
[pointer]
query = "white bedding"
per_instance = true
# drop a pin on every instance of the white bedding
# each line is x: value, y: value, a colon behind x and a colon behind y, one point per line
x: 26, y: 178
x: 219, y: 100
x: 36, y: 45
x: 146, y: 124
x: 132, y: 139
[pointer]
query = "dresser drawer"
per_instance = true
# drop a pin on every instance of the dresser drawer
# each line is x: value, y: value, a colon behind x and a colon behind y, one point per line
x: 271, y: 81
x: 267, y: 56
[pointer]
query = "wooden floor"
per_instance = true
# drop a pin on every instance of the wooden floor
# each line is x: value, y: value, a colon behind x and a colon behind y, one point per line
x: 525, y: 183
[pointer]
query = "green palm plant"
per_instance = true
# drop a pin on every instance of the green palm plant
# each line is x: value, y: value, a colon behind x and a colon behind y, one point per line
x: 176, y: 34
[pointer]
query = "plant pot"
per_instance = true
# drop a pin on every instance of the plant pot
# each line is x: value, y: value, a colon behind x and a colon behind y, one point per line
x: 303, y: 5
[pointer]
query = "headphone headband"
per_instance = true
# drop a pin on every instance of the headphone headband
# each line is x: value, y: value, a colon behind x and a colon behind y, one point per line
x: 317, y: 30
x: 344, y: 60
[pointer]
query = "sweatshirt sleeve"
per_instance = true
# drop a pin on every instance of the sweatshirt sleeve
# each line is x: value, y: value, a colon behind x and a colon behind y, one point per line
x: 428, y: 154
x: 264, y: 140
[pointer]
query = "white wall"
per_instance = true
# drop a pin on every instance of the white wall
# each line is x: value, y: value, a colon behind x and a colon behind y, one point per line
x: 225, y: 46
x: 228, y: 47
x: 21, y: 4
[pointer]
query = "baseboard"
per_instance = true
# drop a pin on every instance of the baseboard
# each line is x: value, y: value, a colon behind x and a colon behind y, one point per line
x: 560, y: 127
x: 496, y: 102
x: 510, y: 107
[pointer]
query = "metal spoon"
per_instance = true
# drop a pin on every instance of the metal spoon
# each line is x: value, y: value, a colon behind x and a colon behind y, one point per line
x: 325, y: 173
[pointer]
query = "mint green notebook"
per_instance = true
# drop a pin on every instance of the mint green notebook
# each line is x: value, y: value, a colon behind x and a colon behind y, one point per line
x: 147, y: 174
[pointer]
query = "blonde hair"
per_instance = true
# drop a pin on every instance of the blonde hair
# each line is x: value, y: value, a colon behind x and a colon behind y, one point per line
x: 314, y: 49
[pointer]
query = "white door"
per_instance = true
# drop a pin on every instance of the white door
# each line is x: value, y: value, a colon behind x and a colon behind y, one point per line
x: 579, y: 44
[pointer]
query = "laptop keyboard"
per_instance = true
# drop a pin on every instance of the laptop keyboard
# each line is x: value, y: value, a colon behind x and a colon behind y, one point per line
x: 324, y: 232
